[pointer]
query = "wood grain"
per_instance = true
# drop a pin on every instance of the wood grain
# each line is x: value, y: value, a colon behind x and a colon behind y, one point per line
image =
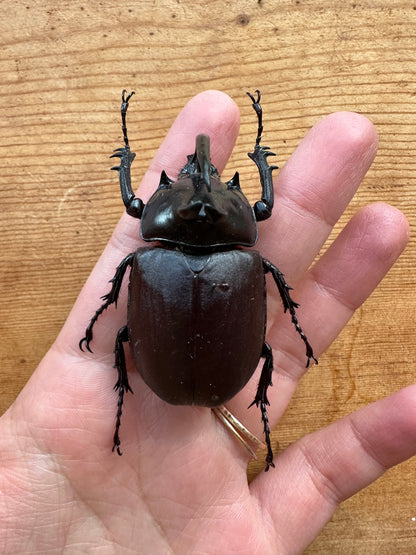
x: 62, y: 67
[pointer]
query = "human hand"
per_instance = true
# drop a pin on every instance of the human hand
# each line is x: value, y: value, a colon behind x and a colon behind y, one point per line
x: 181, y: 485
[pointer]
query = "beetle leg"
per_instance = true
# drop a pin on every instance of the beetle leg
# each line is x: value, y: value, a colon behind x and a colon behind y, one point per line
x: 109, y: 298
x: 262, y: 401
x: 289, y: 304
x: 134, y: 205
x: 122, y: 385
x: 262, y: 208
x: 124, y: 106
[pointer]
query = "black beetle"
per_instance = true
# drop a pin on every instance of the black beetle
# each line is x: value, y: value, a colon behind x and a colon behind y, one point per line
x: 197, y: 300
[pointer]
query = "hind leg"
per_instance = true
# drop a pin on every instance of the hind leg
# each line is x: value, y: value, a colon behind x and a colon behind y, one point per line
x: 122, y: 385
x: 262, y: 401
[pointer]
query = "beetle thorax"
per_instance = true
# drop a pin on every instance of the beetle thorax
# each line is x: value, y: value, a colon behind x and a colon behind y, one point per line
x: 198, y: 210
x: 192, y: 214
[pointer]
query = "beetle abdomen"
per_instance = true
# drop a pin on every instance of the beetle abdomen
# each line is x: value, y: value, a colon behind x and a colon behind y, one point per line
x: 196, y: 323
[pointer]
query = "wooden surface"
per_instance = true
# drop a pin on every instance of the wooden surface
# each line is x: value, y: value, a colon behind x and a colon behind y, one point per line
x: 63, y: 65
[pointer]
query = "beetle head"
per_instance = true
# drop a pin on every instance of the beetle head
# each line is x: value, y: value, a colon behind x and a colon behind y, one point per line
x: 198, y: 210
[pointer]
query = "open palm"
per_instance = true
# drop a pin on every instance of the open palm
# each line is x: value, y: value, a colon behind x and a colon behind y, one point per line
x: 181, y: 486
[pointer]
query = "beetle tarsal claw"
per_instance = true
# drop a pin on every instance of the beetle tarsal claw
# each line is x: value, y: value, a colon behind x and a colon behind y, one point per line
x: 244, y: 436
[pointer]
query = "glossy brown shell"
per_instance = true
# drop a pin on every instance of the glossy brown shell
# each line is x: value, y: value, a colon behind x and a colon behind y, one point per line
x: 196, y: 323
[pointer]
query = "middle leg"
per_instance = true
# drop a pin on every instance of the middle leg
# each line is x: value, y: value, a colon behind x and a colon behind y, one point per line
x: 289, y: 305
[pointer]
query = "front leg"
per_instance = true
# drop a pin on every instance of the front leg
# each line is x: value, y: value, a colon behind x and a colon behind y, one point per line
x: 288, y: 304
x: 262, y: 208
x: 109, y: 298
x: 134, y: 206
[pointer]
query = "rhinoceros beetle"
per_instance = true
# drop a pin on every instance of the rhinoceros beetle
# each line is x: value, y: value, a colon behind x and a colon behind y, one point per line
x: 197, y: 299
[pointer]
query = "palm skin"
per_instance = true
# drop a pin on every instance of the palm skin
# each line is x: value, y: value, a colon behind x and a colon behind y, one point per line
x: 181, y: 486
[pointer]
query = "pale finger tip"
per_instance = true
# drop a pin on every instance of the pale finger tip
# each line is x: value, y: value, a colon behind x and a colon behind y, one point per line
x: 350, y: 140
x: 391, y: 230
x: 218, y: 98
x: 216, y: 112
x: 210, y: 112
x: 352, y: 129
x: 326, y: 169
x: 219, y: 117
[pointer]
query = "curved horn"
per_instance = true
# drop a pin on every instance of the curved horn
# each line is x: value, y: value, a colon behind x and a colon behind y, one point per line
x: 202, y: 150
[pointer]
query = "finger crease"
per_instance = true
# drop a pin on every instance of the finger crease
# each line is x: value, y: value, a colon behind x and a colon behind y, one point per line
x: 304, y: 211
x: 292, y: 368
x: 366, y: 446
x: 323, y: 484
x: 333, y: 292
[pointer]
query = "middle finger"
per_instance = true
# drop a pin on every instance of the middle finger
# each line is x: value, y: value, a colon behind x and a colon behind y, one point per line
x: 314, y: 188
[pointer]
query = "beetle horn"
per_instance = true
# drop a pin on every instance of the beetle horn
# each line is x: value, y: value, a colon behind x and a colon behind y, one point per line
x: 234, y: 182
x: 165, y: 182
x: 202, y: 152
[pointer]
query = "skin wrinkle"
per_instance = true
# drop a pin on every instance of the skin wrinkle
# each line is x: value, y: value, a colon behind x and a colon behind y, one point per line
x: 291, y: 366
x: 327, y: 483
x: 157, y: 524
x: 89, y: 506
x: 126, y: 240
x: 158, y: 521
x: 213, y: 497
x: 29, y: 503
x: 307, y: 200
x: 306, y: 213
x: 334, y: 293
x: 83, y: 502
x: 202, y: 516
x: 323, y: 484
x: 270, y: 243
x: 365, y: 445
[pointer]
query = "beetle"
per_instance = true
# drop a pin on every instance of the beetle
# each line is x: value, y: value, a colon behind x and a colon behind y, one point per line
x: 197, y: 298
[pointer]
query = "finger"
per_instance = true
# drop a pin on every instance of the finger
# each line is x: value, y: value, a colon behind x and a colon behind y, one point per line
x: 340, y: 282
x: 323, y: 469
x: 332, y: 290
x: 211, y: 112
x: 314, y: 188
